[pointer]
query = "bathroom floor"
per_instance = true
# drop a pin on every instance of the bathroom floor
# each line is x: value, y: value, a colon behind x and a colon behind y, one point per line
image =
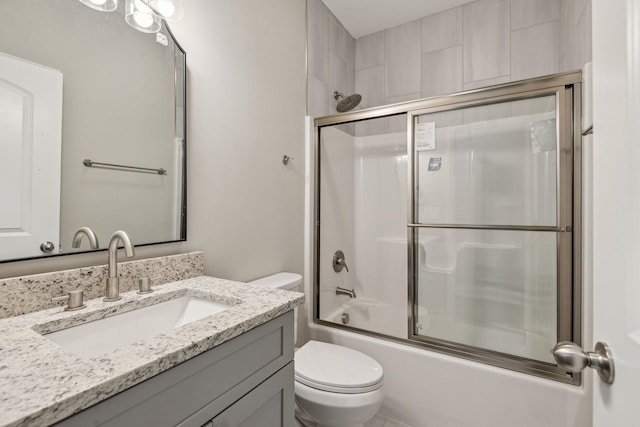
x: 380, y: 421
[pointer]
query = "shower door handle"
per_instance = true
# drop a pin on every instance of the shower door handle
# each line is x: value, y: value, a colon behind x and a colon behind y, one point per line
x: 572, y: 358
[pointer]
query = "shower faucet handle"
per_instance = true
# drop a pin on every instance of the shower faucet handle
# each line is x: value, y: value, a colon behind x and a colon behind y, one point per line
x: 338, y: 262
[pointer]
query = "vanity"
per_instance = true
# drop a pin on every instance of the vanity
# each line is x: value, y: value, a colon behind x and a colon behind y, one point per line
x: 233, y: 367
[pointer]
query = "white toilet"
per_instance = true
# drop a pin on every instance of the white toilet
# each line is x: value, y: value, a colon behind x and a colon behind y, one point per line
x: 335, y: 386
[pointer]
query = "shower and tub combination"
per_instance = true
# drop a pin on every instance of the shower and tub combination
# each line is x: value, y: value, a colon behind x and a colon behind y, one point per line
x: 457, y: 221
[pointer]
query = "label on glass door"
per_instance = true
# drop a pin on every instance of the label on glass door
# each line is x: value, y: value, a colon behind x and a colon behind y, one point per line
x: 425, y: 136
x: 434, y: 164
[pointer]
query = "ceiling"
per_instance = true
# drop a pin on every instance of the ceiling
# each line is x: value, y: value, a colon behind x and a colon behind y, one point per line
x: 362, y: 17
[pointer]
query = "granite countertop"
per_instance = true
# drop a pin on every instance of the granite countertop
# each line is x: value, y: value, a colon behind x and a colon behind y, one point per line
x: 41, y: 384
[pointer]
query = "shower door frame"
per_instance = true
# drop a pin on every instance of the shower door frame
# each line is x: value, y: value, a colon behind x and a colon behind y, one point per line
x: 567, y: 89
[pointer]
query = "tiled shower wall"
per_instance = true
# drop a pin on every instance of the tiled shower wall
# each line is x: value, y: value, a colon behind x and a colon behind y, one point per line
x: 575, y: 17
x: 480, y: 44
x: 331, y: 59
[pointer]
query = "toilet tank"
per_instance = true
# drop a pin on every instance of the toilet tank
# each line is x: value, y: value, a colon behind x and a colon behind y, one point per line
x: 288, y: 282
x: 284, y: 280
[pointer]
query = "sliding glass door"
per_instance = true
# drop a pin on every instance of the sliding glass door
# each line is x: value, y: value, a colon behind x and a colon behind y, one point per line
x: 491, y: 227
x: 453, y: 223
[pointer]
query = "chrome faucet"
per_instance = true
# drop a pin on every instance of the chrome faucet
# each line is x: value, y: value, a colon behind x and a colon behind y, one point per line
x: 112, y: 281
x: 85, y: 231
x: 351, y: 293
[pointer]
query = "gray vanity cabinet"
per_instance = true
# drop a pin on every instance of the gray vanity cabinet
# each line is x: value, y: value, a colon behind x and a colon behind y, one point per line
x: 269, y: 397
x: 246, y: 381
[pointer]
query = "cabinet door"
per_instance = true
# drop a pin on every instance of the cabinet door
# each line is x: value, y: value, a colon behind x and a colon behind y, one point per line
x: 268, y: 405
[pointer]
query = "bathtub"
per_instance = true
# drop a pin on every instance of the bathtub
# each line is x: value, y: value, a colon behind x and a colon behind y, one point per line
x: 428, y: 389
x: 425, y: 388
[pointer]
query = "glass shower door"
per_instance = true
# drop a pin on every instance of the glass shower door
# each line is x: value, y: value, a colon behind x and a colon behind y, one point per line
x: 453, y: 223
x: 490, y: 226
x: 363, y: 209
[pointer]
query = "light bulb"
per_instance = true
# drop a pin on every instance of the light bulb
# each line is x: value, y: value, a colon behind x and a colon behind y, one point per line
x: 171, y: 10
x: 143, y: 19
x: 166, y: 8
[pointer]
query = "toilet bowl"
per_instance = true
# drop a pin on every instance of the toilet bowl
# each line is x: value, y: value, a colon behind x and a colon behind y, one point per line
x: 335, y: 386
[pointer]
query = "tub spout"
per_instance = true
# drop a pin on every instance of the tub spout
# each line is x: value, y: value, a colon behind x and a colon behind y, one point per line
x: 351, y: 293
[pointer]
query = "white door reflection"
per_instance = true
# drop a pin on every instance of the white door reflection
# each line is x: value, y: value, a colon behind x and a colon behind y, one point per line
x: 30, y: 151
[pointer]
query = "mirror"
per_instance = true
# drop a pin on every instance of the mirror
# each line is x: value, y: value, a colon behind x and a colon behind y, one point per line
x: 83, y: 96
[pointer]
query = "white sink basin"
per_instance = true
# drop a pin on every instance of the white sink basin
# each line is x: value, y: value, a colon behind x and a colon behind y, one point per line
x: 110, y: 333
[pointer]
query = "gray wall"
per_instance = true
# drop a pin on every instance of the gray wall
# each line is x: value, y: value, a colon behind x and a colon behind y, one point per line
x: 246, y: 104
x: 483, y: 43
x: 246, y: 110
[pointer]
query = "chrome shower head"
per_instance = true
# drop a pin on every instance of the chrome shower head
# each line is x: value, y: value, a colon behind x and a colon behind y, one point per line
x: 347, y: 103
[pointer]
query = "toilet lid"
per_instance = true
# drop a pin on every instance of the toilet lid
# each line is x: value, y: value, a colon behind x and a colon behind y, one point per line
x: 338, y: 369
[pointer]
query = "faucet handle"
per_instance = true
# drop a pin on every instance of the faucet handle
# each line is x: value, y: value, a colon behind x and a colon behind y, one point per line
x: 75, y: 300
x: 339, y: 262
x: 144, y: 285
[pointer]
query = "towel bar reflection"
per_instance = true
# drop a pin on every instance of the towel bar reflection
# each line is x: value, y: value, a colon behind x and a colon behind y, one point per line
x: 90, y: 163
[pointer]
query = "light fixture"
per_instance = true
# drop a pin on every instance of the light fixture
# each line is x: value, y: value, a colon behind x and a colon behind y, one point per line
x: 143, y: 15
x: 101, y: 5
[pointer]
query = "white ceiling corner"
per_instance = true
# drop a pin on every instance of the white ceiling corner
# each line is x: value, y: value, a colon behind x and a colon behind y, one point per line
x: 363, y: 17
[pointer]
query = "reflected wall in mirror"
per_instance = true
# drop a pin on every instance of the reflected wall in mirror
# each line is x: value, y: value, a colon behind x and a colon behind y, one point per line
x: 79, y: 84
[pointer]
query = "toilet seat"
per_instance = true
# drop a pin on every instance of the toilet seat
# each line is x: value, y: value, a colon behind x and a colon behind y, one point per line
x: 336, y: 369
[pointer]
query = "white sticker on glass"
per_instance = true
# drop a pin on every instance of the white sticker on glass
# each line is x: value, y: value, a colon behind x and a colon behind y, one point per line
x: 434, y: 164
x: 426, y: 136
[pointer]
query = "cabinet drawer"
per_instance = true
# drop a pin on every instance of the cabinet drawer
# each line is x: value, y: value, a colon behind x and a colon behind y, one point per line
x: 268, y: 405
x: 200, y: 388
